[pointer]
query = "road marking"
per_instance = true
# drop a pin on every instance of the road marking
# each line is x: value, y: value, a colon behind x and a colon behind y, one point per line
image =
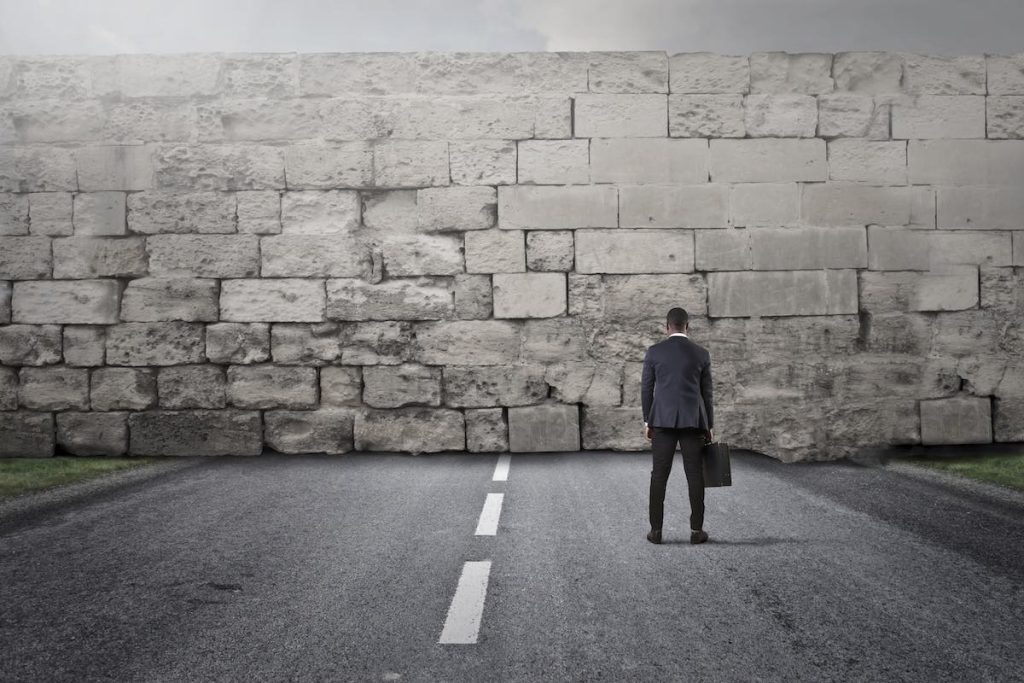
x: 462, y: 626
x: 488, y: 524
x: 501, y: 469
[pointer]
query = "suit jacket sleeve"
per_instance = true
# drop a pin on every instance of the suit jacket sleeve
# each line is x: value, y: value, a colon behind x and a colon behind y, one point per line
x: 647, y: 386
x: 706, y: 393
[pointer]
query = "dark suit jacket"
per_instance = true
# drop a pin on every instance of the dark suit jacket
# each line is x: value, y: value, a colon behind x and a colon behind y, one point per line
x: 676, y: 377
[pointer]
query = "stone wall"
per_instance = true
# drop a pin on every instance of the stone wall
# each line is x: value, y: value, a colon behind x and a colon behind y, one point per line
x: 222, y: 253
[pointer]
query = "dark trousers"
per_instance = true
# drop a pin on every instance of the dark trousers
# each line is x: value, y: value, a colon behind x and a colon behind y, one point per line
x: 663, y: 445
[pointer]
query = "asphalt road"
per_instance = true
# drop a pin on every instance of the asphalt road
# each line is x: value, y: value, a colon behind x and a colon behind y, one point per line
x: 343, y: 568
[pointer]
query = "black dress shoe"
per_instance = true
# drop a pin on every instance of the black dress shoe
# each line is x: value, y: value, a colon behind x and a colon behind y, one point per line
x: 698, y: 536
x: 654, y: 536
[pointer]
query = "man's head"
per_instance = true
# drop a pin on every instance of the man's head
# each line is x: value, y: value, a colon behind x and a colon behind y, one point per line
x: 677, y: 320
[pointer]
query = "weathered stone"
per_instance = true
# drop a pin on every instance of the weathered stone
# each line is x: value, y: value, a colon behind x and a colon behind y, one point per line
x: 704, y: 72
x: 1004, y: 116
x: 553, y: 340
x: 620, y: 116
x: 473, y: 297
x: 316, y: 165
x: 733, y: 294
x: 410, y: 430
x: 632, y: 298
x: 1018, y: 248
x: 341, y: 386
x: 898, y: 249
x: 201, y: 167
x: 868, y: 72
x: 313, y: 256
x: 115, y: 167
x: 779, y: 72
x: 1005, y: 74
x: 377, y: 343
x: 151, y: 213
x: 259, y: 75
x: 634, y: 251
x: 1008, y: 420
x: 957, y: 420
x: 259, y: 212
x: 809, y: 248
x: 966, y: 162
x: 257, y: 120
x: 192, y: 386
x: 53, y: 388
x: 195, y: 432
x: 768, y: 160
x: 14, y: 212
x: 219, y: 256
x: 553, y: 162
x: 269, y: 386
x: 652, y: 160
x: 5, y: 302
x: 391, y: 211
x: 30, y: 344
x: 409, y: 299
x: 481, y: 387
x: 92, y: 434
x: 849, y: 115
x: 557, y: 208
x: 543, y: 428
x: 961, y: 75
x: 25, y: 257
x: 764, y: 204
x: 587, y: 382
x: 467, y: 342
x: 952, y: 288
x: 627, y: 72
x: 25, y: 434
x: 868, y: 161
x: 151, y: 299
x: 410, y: 163
x: 238, y: 343
x: 66, y: 301
x: 486, y: 430
x: 99, y: 213
x: 309, y: 431
x: 722, y: 250
x: 316, y: 344
x: 122, y: 389
x: 91, y: 257
x: 37, y: 169
x: 50, y: 213
x: 780, y: 116
x: 855, y: 204
x: 157, y: 75
x: 706, y: 116
x: 495, y: 251
x: 482, y: 162
x: 455, y: 209
x: 984, y: 208
x: 673, y: 206
x: 529, y: 295
x: 550, y: 250
x: 8, y: 388
x: 319, y: 212
x: 939, y: 116
x: 394, y: 386
x: 168, y: 343
x: 273, y: 300
x: 416, y: 255
x: 612, y: 428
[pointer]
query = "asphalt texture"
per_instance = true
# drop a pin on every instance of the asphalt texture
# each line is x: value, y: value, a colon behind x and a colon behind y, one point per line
x: 343, y: 569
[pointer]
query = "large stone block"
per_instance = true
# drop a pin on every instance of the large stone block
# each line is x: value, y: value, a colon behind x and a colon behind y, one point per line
x: 768, y: 161
x: 168, y: 343
x: 115, y: 167
x: 495, y: 251
x: 585, y: 382
x: 302, y: 344
x: 898, y: 249
x: 486, y: 430
x: 1005, y: 74
x: 313, y: 256
x: 1004, y: 116
x: 195, y: 432
x: 557, y: 208
x: 66, y: 301
x: 122, y: 389
x: 341, y: 386
x: 270, y: 386
x: 1008, y: 420
x: 151, y: 213
x: 54, y: 388
x: 647, y: 161
x: 402, y: 299
x: 25, y: 434
x: 498, y: 385
x: 704, y: 72
x: 455, y: 209
x: 673, y: 206
x: 621, y: 116
x: 927, y: 75
x: 317, y: 165
x: 92, y: 434
x: 30, y: 344
x: 410, y: 163
x: 162, y: 75
x: 754, y: 205
x: 377, y: 343
x: 200, y: 167
x: 50, y: 213
x: 482, y: 162
x: 152, y: 299
x: 634, y: 251
x: 192, y: 386
x: 529, y: 295
x: 309, y: 431
x: 259, y: 75
x: 553, y: 162
x: 218, y: 256
x: 809, y: 248
x: 259, y: 212
x: 238, y: 343
x: 706, y: 116
x: 549, y: 250
x: 37, y: 169
x: 983, y: 208
x: 855, y: 204
x: 319, y: 212
x: 966, y: 162
x: 417, y: 255
x: 474, y: 299
x: 467, y: 342
x: 953, y: 288
x: 272, y: 300
x: 91, y: 257
x: 410, y: 430
x: 874, y: 161
x: 723, y: 250
x: 956, y: 420
x: 780, y: 72
x: 868, y: 72
x: 25, y: 257
x: 780, y: 116
x: 14, y: 210
x: 627, y: 72
x: 632, y: 298
x: 259, y: 120
x: 848, y: 115
x: 98, y: 214
x: 395, y: 386
x: 553, y: 340
x: 613, y: 429
x: 543, y: 428
x: 740, y: 294
x: 938, y: 116
x: 8, y: 388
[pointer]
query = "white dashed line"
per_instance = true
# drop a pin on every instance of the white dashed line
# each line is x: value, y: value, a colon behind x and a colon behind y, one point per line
x: 488, y: 524
x: 462, y: 626
x: 501, y: 469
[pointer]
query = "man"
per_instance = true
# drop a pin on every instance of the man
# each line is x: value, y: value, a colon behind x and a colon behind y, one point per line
x: 677, y: 406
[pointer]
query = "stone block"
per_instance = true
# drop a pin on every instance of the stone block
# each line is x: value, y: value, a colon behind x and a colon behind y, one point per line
x: 585, y: 382
x: 410, y: 163
x: 272, y: 300
x: 754, y: 205
x: 92, y: 257
x: 259, y: 75
x: 780, y: 293
x: 895, y: 249
x: 313, y: 256
x: 167, y: 343
x: 88, y: 302
x: 1004, y: 116
x: 151, y: 213
x: 259, y: 212
x: 415, y: 255
x: 473, y: 297
x: 206, y: 167
x: 92, y: 434
x: 341, y: 386
x: 309, y: 431
x: 966, y: 162
x: 549, y: 250
x: 319, y: 212
x: 210, y: 256
x: 270, y: 386
x: 627, y: 72
x: 543, y: 428
x: 8, y: 388
x: 809, y: 248
x: 706, y: 116
x: 848, y: 115
x: 768, y: 161
x: 981, y: 208
x: 1005, y: 74
x: 482, y: 162
x: 257, y: 120
x: 938, y: 116
x: 30, y: 344
x: 25, y: 257
x: 53, y: 388
x: 868, y: 72
x: 161, y: 75
x: 632, y: 298
x: 557, y: 208
x: 704, y: 72
x: 377, y: 343
x: 1008, y: 419
x: 5, y: 302
x: 410, y: 430
x: 391, y: 211
x: 722, y: 250
x: 122, y: 389
x: 395, y: 386
x: 238, y: 343
x: 25, y: 434
x: 495, y: 251
x: 620, y: 116
x: 855, y: 204
x: 50, y: 213
x: 1018, y: 248
x: 301, y: 344
x: 455, y: 209
x: 553, y: 340
x: 127, y: 168
x: 953, y: 288
x: 780, y: 116
x: 317, y: 165
x: 192, y: 386
x: 553, y: 162
x: 402, y: 299
x: 928, y: 75
x: 673, y: 206
x: 467, y: 342
x: 486, y: 430
x: 37, y: 169
x: 151, y: 299
x: 609, y: 428
x: 880, y: 162
x: 780, y: 72
x: 529, y: 295
x: 634, y: 251
x: 14, y: 213
x: 195, y: 432
x: 99, y: 214
x: 956, y: 420
x: 625, y: 160
x: 496, y: 385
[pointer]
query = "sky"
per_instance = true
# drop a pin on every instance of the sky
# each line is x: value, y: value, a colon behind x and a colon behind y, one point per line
x: 941, y: 27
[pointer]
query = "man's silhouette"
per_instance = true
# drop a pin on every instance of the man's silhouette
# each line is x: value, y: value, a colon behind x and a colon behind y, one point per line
x: 677, y: 406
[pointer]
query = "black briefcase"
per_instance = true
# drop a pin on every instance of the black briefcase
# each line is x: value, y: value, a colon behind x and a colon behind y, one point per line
x: 717, y: 471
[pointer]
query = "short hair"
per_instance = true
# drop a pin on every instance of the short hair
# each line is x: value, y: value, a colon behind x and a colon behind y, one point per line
x: 677, y: 318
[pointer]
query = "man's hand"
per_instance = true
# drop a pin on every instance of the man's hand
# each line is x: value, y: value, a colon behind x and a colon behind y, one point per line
x: 710, y: 435
x: 647, y: 432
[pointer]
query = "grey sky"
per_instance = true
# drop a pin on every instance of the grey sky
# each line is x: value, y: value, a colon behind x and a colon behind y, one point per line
x: 724, y: 26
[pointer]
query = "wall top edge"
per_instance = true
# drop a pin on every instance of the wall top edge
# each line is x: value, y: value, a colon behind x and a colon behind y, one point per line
x: 465, y: 54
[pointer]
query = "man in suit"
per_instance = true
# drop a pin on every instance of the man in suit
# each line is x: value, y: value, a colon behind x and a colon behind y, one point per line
x: 677, y: 406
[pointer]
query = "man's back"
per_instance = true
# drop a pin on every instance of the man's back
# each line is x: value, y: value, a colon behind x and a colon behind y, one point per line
x: 676, y: 388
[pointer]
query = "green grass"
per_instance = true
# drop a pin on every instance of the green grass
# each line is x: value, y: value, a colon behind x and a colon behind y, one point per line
x: 26, y: 475
x: 1006, y: 469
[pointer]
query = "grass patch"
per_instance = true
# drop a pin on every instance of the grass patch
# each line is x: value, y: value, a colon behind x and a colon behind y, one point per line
x: 27, y: 475
x: 1006, y: 469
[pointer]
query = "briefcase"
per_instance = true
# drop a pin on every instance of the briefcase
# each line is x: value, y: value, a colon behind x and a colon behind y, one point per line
x: 715, y: 457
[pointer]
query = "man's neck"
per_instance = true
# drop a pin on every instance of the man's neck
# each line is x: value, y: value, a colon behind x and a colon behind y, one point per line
x: 675, y: 334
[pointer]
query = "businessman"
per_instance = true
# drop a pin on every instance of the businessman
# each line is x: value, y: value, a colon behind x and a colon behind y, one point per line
x: 677, y: 406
